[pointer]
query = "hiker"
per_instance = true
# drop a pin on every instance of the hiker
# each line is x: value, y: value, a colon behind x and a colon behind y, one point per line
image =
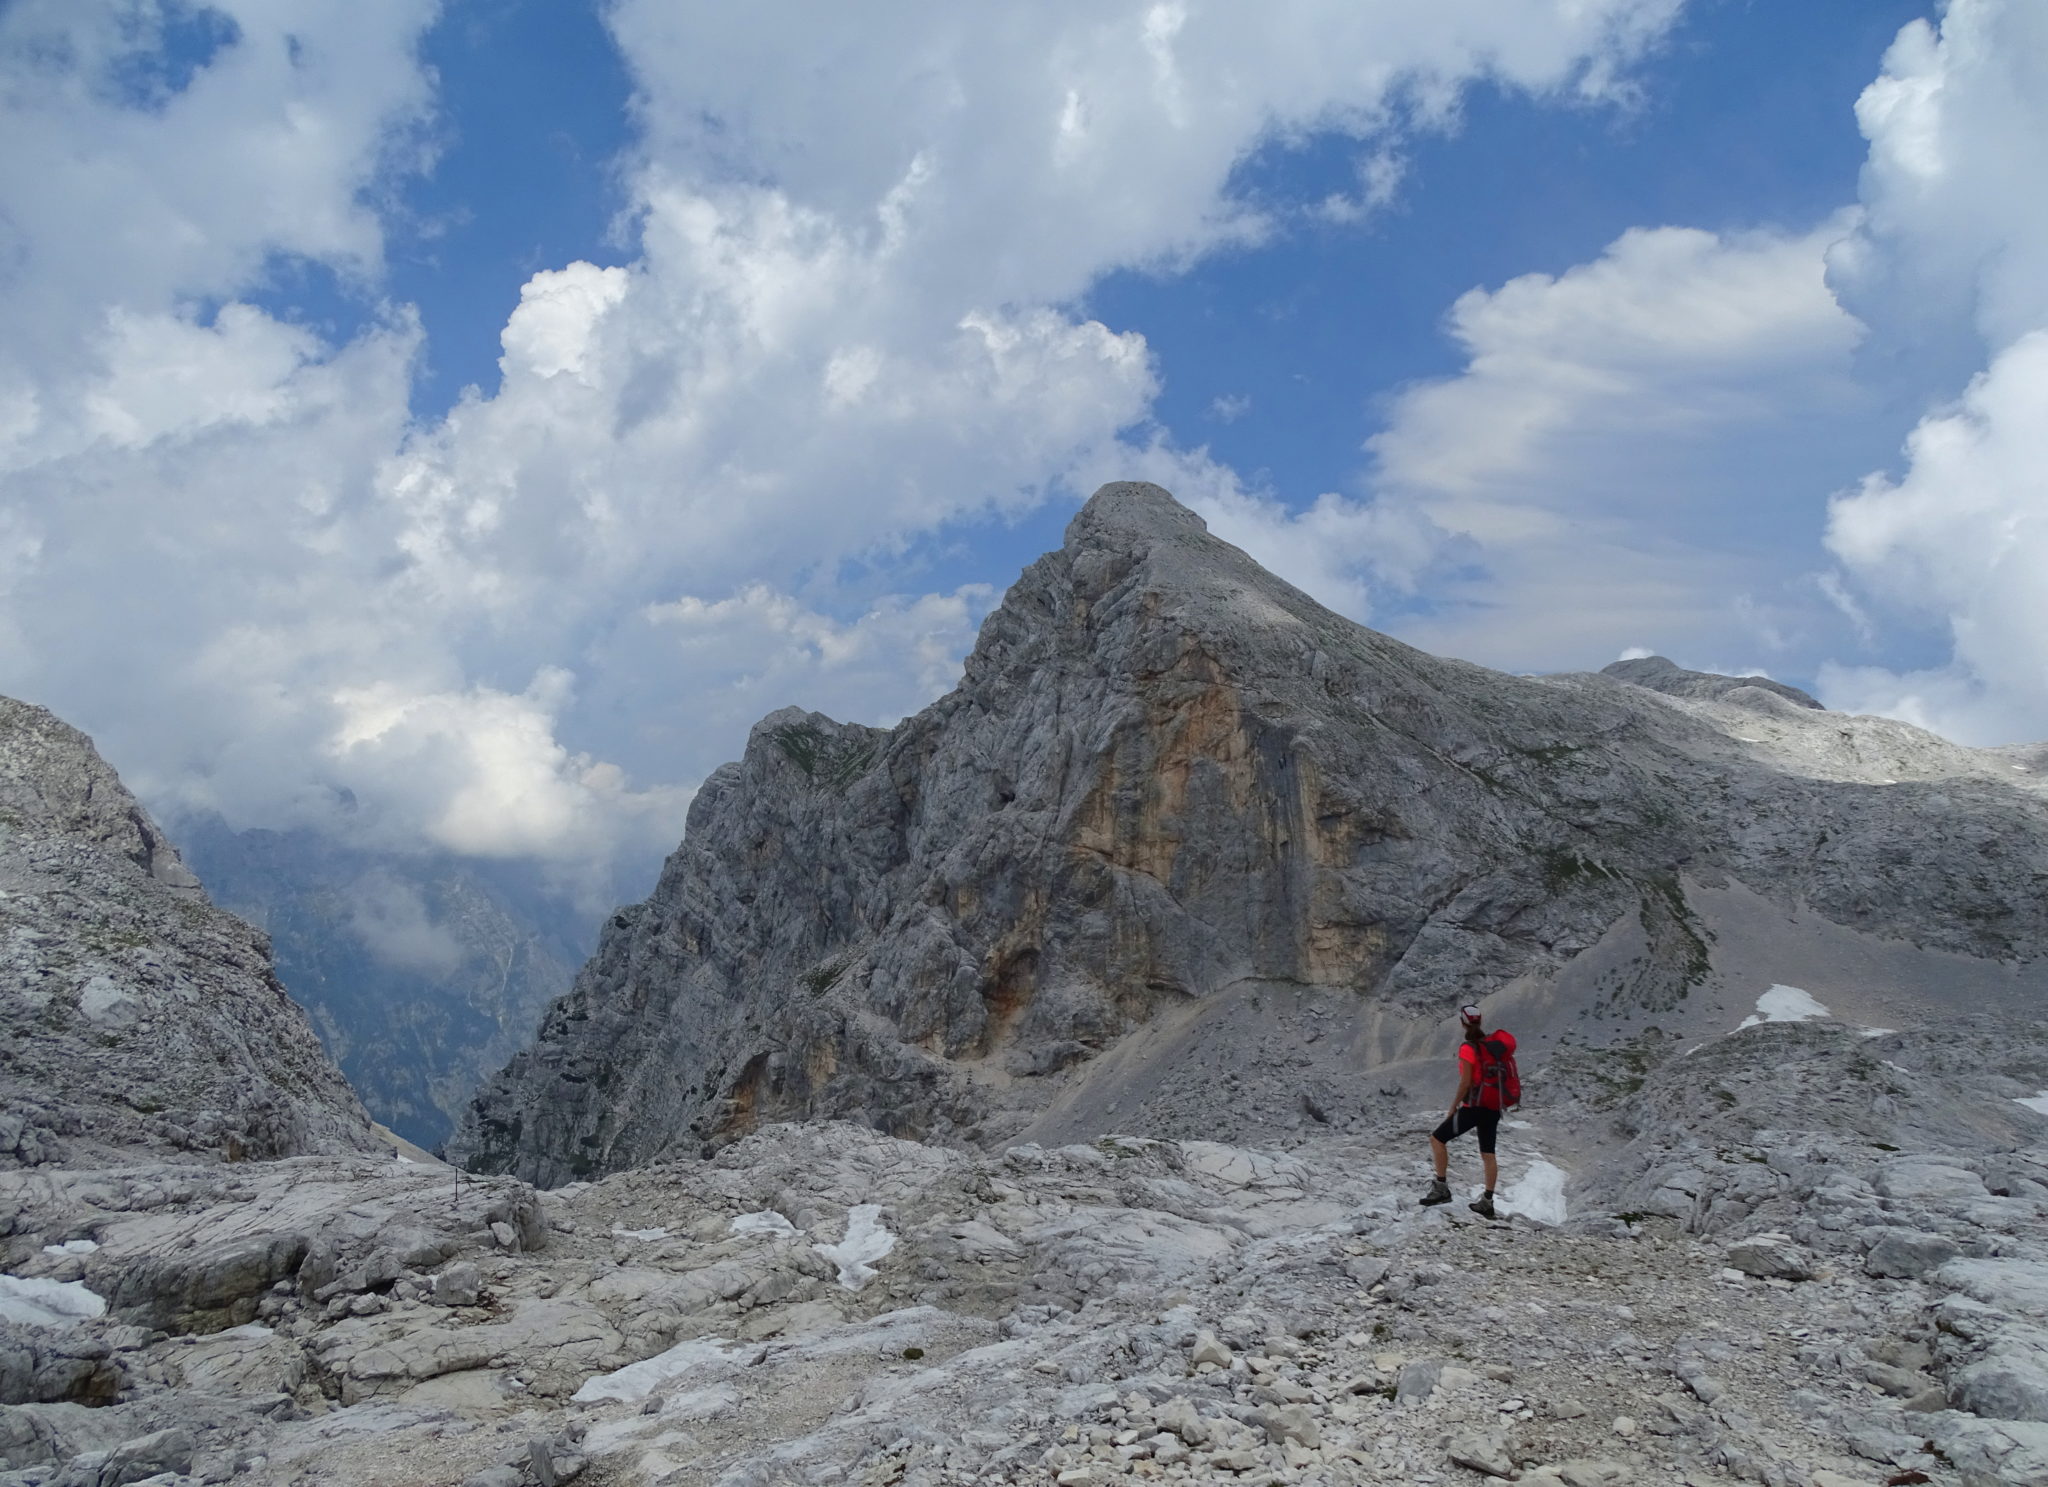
x: 1487, y: 1085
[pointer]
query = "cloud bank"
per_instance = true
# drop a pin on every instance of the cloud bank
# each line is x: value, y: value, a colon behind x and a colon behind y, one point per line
x: 845, y: 326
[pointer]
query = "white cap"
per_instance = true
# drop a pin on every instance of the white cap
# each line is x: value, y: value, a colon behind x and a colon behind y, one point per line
x: 1470, y: 1012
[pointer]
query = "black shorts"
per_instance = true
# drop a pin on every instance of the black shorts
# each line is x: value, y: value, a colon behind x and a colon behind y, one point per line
x: 1468, y: 1116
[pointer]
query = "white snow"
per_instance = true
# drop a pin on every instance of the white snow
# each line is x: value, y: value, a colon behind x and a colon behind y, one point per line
x: 1785, y: 1004
x: 2036, y: 1102
x: 1538, y: 1195
x: 768, y: 1222
x: 638, y: 1380
x: 618, y: 1233
x: 248, y: 1332
x: 71, y: 1247
x: 48, y: 1303
x: 866, y: 1241
x: 1875, y: 1032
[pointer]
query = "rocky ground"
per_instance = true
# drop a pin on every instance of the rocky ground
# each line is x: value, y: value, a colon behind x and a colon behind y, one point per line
x: 1815, y: 1284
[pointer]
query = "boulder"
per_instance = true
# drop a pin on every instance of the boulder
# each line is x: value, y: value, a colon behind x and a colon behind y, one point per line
x: 1418, y: 1381
x: 42, y: 1366
x: 162, y: 1452
x: 1908, y: 1254
x: 1484, y: 1450
x: 1773, y: 1257
x: 459, y: 1285
x: 207, y: 1289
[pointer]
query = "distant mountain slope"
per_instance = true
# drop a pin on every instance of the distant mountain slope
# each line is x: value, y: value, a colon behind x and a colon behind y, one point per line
x: 422, y: 974
x: 136, y: 1019
x: 1184, y: 847
x: 1661, y: 675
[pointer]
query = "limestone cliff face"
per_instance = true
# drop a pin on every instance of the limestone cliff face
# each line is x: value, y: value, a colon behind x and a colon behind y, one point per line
x: 136, y: 1020
x: 1167, y: 777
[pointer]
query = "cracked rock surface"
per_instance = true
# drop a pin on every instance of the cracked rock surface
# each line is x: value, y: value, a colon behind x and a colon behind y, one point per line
x: 1121, y: 1310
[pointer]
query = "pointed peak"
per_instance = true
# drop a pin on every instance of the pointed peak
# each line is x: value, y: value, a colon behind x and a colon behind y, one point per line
x: 1132, y: 509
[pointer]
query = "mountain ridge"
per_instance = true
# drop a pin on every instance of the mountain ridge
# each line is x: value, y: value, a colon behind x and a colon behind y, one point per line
x: 1168, y: 784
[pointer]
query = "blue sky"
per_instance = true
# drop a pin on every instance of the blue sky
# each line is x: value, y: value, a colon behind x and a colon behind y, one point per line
x: 488, y: 410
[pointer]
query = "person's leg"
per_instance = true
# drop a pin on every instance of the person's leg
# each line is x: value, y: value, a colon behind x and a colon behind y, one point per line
x: 1440, y: 1158
x: 1488, y: 1122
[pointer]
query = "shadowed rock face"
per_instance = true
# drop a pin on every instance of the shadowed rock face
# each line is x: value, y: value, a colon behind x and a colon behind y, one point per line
x: 1169, y: 780
x: 135, y: 1018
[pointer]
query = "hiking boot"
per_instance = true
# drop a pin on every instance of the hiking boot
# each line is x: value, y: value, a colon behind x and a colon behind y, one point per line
x: 1483, y: 1207
x: 1439, y: 1192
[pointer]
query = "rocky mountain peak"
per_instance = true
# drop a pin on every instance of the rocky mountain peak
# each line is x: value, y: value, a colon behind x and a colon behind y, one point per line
x: 1131, y: 513
x: 1185, y: 848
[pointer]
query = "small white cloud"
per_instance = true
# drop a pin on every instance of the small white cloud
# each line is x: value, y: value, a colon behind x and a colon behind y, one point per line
x: 390, y: 917
x: 1635, y: 653
x: 1229, y: 407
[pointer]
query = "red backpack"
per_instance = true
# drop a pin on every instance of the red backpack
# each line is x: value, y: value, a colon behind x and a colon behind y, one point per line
x: 1498, y: 1085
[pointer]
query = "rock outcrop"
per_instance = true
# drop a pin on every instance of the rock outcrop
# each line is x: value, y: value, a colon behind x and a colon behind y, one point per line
x: 1184, y: 850
x: 136, y: 1019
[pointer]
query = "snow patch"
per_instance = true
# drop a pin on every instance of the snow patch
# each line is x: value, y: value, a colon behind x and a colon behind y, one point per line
x: 768, y: 1222
x: 1785, y: 1004
x: 71, y: 1247
x: 618, y: 1233
x: 1875, y: 1032
x: 2035, y: 1102
x: 1539, y: 1194
x: 866, y: 1242
x: 48, y: 1303
x: 638, y: 1380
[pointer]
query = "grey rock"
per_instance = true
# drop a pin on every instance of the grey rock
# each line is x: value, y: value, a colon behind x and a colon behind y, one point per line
x: 1292, y: 1422
x: 1168, y: 781
x: 1661, y: 675
x: 1992, y: 1453
x: 1920, y: 1178
x: 496, y: 1476
x: 1417, y: 1381
x: 132, y: 1461
x: 459, y: 1285
x: 204, y: 1289
x: 38, y: 1366
x: 1908, y: 1254
x: 1482, y: 1450
x: 2009, y: 1384
x: 1773, y: 1257
x: 1366, y: 1271
x: 1177, y: 1417
x: 135, y: 1018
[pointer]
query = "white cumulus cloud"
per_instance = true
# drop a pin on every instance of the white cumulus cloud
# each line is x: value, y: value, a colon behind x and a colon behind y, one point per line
x: 1956, y: 238
x: 855, y: 237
